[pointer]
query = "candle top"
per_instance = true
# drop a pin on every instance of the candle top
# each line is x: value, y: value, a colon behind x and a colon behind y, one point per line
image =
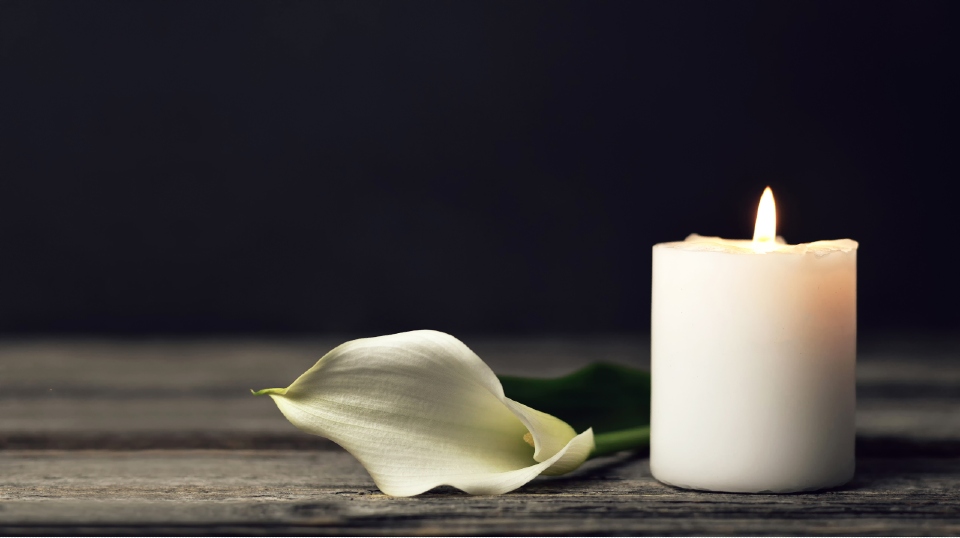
x: 701, y: 243
x: 765, y: 238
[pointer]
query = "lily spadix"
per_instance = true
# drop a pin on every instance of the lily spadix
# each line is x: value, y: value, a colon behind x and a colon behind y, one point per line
x: 420, y: 409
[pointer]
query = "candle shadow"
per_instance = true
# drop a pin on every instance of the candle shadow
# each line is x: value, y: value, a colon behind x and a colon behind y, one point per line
x: 888, y: 461
x: 883, y: 461
x: 880, y: 461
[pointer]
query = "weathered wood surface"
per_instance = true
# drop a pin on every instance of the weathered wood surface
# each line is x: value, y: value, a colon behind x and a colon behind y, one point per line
x: 162, y: 437
x: 326, y: 492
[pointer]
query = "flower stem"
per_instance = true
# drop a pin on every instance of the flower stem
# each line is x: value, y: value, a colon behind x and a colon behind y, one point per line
x: 629, y: 439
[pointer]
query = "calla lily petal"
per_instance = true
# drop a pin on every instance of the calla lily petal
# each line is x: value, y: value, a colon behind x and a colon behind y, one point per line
x: 420, y: 410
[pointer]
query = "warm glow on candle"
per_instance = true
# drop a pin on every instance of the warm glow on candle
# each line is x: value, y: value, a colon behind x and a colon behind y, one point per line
x: 766, y: 229
x: 753, y: 355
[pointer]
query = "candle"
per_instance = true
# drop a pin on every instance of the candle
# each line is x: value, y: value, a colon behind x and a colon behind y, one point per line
x: 753, y: 350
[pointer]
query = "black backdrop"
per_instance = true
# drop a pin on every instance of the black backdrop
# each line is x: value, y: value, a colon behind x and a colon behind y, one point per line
x: 503, y: 167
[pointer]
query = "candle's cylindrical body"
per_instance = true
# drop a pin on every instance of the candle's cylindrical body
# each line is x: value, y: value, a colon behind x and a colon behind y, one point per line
x: 753, y: 366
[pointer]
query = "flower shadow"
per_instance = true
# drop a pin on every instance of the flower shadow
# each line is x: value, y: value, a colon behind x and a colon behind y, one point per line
x: 628, y: 465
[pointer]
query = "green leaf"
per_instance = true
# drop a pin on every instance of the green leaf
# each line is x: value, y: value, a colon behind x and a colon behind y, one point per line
x: 607, y: 397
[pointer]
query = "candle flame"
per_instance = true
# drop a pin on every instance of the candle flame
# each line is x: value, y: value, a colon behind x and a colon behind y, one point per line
x: 766, y: 229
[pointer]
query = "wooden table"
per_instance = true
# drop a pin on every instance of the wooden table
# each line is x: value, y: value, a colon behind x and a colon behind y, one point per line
x: 163, y: 437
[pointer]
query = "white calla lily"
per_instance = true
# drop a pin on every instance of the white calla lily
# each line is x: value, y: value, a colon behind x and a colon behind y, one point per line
x: 420, y: 410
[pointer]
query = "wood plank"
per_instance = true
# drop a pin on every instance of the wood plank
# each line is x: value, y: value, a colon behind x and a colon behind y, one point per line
x: 189, y: 390
x: 195, y: 393
x: 75, y: 389
x: 327, y: 492
x: 114, y: 404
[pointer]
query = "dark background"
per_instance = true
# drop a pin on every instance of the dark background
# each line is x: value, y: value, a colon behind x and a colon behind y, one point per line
x: 498, y: 167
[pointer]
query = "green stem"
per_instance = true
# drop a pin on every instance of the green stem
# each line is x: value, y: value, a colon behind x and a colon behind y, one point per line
x: 629, y: 439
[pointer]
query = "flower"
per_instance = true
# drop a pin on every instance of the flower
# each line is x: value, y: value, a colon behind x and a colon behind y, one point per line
x: 420, y: 409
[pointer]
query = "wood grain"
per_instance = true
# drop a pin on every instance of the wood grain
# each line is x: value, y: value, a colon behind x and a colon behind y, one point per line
x: 101, y: 437
x: 327, y: 492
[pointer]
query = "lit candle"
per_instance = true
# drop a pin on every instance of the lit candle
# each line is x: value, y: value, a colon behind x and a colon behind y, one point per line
x: 753, y: 348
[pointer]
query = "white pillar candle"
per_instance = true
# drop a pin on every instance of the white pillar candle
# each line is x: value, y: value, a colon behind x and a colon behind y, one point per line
x: 753, y: 348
